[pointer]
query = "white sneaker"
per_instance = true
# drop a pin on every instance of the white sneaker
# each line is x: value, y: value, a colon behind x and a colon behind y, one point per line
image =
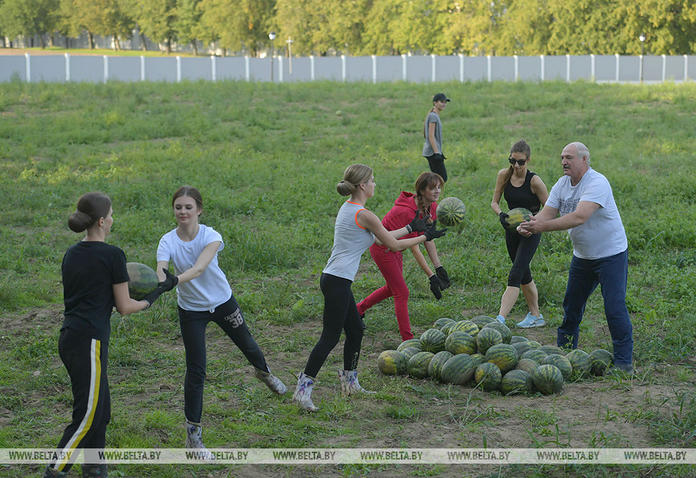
x: 349, y: 382
x: 303, y: 393
x: 532, y: 321
x: 194, y: 440
x: 271, y: 381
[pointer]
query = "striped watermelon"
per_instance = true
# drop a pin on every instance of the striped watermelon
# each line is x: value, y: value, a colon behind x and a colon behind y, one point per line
x: 436, y: 364
x: 552, y: 349
x: 601, y: 360
x: 518, y: 338
x: 410, y: 343
x: 488, y: 376
x: 459, y: 342
x: 503, y: 329
x: 561, y: 362
x: 409, y: 352
x: 478, y: 359
x: 581, y: 362
x: 442, y: 321
x: 465, y: 326
x: 522, y: 347
x: 487, y: 338
x: 141, y: 280
x: 516, y: 217
x: 547, y: 379
x: 528, y: 365
x: 450, y: 211
x: 534, y: 344
x: 516, y: 381
x: 391, y: 362
x: 504, y: 356
x: 433, y: 341
x: 418, y: 364
x: 445, y: 329
x: 482, y: 320
x: 537, y: 355
x: 458, y: 370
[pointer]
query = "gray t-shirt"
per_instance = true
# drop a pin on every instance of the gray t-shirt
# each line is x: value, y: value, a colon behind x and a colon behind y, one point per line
x: 350, y: 241
x: 427, y: 147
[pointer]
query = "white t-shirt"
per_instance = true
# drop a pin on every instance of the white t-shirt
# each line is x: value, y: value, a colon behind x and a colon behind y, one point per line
x: 602, y: 235
x: 206, y: 291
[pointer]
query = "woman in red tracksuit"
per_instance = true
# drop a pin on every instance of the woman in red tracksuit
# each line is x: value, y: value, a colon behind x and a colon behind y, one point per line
x: 391, y: 265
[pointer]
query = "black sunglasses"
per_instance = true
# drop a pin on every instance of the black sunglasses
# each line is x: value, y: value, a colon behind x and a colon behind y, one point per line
x: 520, y: 162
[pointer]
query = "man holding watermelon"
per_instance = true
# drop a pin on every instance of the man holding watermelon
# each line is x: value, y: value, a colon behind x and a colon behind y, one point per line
x: 585, y: 203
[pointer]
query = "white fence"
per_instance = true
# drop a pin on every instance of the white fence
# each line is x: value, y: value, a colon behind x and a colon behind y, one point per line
x: 416, y: 69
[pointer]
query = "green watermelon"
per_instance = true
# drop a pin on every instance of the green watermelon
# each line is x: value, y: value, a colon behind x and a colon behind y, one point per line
x: 439, y: 323
x: 561, y: 362
x: 581, y: 362
x: 504, y: 356
x: 481, y: 320
x: 528, y: 365
x: 487, y: 338
x: 445, y: 329
x: 516, y: 381
x: 601, y: 360
x: 459, y: 342
x: 488, y: 376
x: 547, y: 379
x: 522, y: 347
x: 418, y: 364
x: 517, y: 216
x: 534, y: 344
x: 410, y: 343
x: 465, y: 326
x: 436, y: 364
x: 141, y: 280
x: 478, y: 359
x: 409, y: 352
x: 503, y: 329
x: 457, y: 370
x: 518, y: 338
x: 433, y: 341
x: 391, y: 362
x: 552, y: 349
x: 537, y: 355
x: 450, y: 211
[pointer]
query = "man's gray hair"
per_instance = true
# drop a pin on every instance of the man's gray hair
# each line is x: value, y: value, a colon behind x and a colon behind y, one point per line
x: 582, y: 150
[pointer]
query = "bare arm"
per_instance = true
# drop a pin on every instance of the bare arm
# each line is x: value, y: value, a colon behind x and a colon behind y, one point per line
x: 204, y: 259
x: 498, y: 192
x: 371, y: 222
x: 547, y: 221
x: 124, y: 303
x: 539, y: 189
x: 431, y: 137
x: 420, y: 259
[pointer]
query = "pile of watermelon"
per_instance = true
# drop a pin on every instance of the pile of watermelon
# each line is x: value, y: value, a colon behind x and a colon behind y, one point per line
x: 482, y: 351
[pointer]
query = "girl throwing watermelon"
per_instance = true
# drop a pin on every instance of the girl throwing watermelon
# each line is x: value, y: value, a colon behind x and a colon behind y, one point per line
x: 391, y: 263
x: 521, y: 188
x: 355, y: 230
x: 94, y: 280
x: 203, y: 295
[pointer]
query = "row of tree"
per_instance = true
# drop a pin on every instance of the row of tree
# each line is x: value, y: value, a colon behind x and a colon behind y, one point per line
x: 382, y: 27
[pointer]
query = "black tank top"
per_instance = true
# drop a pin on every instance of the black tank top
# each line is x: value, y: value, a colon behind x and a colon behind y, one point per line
x: 523, y: 195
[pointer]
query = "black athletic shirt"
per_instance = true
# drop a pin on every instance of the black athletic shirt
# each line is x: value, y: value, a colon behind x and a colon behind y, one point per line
x: 523, y: 195
x: 90, y: 269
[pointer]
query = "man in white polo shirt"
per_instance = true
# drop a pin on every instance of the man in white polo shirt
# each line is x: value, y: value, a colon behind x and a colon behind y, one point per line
x: 582, y: 202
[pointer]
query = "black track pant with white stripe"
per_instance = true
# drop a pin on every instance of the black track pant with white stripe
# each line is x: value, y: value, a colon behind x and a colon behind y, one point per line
x: 85, y: 359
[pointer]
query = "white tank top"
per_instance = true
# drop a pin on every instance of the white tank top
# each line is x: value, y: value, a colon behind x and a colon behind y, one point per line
x: 350, y: 241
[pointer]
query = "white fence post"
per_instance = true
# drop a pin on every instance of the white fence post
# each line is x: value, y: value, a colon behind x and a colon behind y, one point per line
x: 67, y: 67
x: 247, y: 74
x: 27, y: 67
x: 178, y: 69
x: 106, y: 68
x: 542, y: 67
x: 617, y: 66
x: 686, y: 68
x: 280, y: 68
x: 592, y: 68
x: 311, y: 67
x: 213, y: 68
x: 567, y: 68
x: 489, y: 68
x: 142, y: 68
x: 664, y: 67
x: 517, y: 67
x: 343, y: 67
x: 374, y: 68
x: 461, y: 68
x: 433, y: 69
x: 404, y: 69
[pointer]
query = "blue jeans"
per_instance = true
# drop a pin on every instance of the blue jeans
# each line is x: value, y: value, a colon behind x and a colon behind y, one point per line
x: 584, y: 276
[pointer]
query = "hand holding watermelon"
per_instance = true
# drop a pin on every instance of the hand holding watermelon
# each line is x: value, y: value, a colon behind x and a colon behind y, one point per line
x: 169, y: 282
x: 503, y: 219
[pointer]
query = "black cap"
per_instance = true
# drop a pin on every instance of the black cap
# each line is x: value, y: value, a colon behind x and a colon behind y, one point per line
x: 440, y: 97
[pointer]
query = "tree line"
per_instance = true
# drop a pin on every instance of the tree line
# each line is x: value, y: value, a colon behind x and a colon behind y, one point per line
x: 364, y: 27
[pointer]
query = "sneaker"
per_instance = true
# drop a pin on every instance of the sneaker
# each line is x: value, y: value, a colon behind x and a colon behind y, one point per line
x: 303, y: 393
x: 349, y: 382
x: 532, y: 321
x: 53, y: 473
x: 500, y: 319
x: 195, y: 441
x: 271, y: 381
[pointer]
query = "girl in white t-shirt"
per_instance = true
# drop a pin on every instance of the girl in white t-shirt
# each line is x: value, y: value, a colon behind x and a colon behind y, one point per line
x: 203, y: 295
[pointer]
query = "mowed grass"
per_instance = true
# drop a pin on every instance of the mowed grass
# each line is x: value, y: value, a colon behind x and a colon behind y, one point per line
x: 266, y: 158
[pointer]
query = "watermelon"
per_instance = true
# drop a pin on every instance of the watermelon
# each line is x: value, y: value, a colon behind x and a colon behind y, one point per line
x: 547, y: 379
x: 487, y: 338
x: 482, y: 320
x: 528, y: 365
x: 445, y: 329
x: 518, y: 338
x: 534, y: 344
x: 561, y: 362
x: 450, y: 211
x: 552, y: 349
x: 465, y: 326
x: 141, y: 280
x: 459, y: 342
x: 502, y: 328
x: 537, y: 355
x: 522, y: 347
x: 458, y: 370
x: 418, y: 364
x: 391, y: 362
x: 410, y: 343
x: 439, y: 323
x: 488, y: 376
x: 409, y: 352
x: 516, y: 381
x: 517, y: 216
x: 504, y: 356
x: 436, y: 364
x: 581, y: 362
x: 433, y: 341
x: 601, y: 360
x: 478, y: 359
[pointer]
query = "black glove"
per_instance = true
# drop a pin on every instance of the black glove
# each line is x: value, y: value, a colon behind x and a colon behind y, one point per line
x: 433, y: 233
x: 503, y: 219
x: 435, y: 286
x: 444, y: 278
x: 169, y: 282
x: 418, y: 224
x: 152, y: 296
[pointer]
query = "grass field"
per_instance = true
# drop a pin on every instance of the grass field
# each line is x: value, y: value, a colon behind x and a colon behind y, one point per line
x: 266, y: 158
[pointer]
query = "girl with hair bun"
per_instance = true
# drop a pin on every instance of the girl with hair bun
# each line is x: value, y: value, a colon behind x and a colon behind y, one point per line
x: 356, y: 229
x: 94, y: 280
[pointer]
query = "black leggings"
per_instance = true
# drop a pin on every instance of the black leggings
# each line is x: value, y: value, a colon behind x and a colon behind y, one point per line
x: 229, y: 317
x: 340, y: 313
x: 437, y: 165
x: 521, y: 250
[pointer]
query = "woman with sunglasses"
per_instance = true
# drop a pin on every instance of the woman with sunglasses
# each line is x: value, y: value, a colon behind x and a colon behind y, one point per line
x: 521, y: 188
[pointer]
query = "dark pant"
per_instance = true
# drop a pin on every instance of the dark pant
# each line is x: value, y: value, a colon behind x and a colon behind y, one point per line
x: 229, y: 317
x: 340, y: 313
x: 437, y: 165
x: 584, y: 276
x: 521, y: 250
x: 85, y: 358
